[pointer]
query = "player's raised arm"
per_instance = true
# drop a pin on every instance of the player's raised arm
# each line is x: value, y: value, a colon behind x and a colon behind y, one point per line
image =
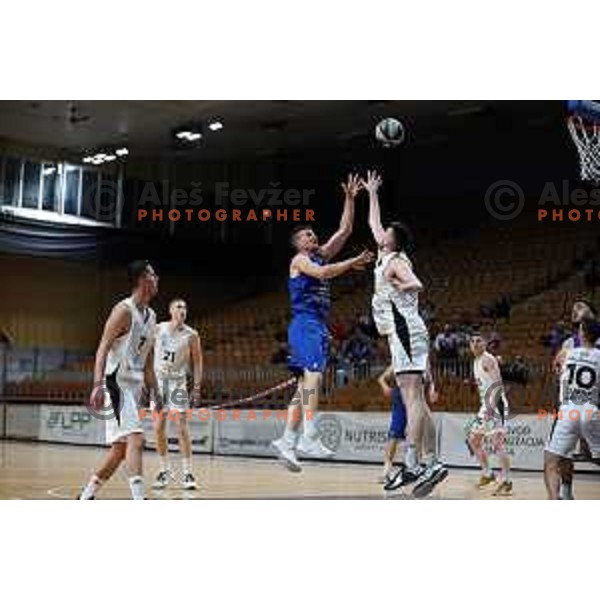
x: 196, y: 356
x: 303, y: 264
x: 372, y: 184
x: 335, y: 243
x: 117, y: 324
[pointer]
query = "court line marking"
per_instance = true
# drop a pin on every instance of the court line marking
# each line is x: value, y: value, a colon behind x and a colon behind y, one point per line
x: 53, y: 492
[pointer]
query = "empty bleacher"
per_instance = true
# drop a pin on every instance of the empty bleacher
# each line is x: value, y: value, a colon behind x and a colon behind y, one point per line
x: 538, y: 266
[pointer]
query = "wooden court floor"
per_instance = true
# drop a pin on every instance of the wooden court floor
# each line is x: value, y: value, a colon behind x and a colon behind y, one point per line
x: 53, y: 471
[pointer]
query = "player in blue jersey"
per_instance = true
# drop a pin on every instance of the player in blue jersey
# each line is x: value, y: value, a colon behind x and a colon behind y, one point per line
x: 397, y: 430
x: 308, y: 335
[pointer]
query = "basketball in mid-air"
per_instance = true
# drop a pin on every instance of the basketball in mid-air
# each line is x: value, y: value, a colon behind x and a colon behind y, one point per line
x: 390, y: 132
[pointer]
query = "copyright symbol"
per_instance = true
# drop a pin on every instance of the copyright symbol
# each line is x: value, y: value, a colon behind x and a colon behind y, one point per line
x: 504, y: 200
x: 106, y: 412
x: 102, y: 200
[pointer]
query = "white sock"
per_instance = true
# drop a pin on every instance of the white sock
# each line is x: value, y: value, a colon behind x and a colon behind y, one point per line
x: 401, y: 453
x: 136, y: 485
x: 310, y: 427
x: 290, y: 436
x: 411, y: 456
x: 91, y: 488
x: 429, y: 459
x: 164, y: 463
x: 566, y: 491
x: 487, y: 472
x: 186, y: 465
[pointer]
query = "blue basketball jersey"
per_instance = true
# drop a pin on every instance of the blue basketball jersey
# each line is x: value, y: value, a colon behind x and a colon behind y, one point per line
x: 309, y: 295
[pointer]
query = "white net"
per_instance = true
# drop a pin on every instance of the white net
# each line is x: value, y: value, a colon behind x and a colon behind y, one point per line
x: 586, y: 136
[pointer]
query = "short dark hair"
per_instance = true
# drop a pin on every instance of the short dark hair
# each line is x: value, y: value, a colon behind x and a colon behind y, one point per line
x: 295, y: 231
x: 135, y: 269
x: 590, y: 328
x: 588, y: 304
x: 178, y: 299
x: 402, y: 236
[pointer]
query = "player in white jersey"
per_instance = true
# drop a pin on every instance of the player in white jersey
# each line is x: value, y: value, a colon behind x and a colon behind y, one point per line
x: 581, y: 310
x: 489, y: 427
x: 578, y: 415
x: 177, y: 355
x: 396, y: 315
x: 123, y: 374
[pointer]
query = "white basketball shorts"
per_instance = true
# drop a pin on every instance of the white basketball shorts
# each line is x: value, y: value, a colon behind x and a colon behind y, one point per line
x: 572, y: 422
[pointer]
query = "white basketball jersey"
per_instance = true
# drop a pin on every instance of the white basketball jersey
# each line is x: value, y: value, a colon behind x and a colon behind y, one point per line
x: 580, y: 376
x: 172, y: 351
x: 483, y: 379
x: 127, y: 357
x: 387, y: 299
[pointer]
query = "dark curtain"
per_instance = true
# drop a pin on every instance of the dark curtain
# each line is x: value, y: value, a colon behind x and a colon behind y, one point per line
x: 49, y: 240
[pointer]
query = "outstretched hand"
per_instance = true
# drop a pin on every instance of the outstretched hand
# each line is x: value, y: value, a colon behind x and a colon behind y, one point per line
x: 352, y: 186
x: 372, y: 183
x: 363, y: 259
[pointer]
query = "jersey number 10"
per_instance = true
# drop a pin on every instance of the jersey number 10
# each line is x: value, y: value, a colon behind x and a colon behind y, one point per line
x: 584, y: 377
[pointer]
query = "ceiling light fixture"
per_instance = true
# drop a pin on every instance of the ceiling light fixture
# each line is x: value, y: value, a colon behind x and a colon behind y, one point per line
x: 192, y: 132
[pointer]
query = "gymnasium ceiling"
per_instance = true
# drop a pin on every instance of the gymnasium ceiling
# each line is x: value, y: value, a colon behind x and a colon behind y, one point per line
x: 251, y: 128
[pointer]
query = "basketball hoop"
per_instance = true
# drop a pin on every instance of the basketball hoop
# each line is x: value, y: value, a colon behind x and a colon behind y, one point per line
x: 584, y: 127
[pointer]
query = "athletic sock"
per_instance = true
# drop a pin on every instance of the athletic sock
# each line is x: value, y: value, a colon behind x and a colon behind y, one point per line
x: 186, y: 465
x: 164, y: 463
x: 429, y: 459
x: 566, y: 491
x: 290, y: 437
x: 136, y: 485
x: 310, y: 427
x: 411, y: 456
x: 91, y: 488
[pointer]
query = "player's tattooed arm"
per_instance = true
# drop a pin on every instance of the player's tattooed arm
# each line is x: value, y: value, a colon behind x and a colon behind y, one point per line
x: 402, y: 277
x: 335, y: 243
x: 197, y: 366
x: 302, y: 264
x: 372, y: 184
x: 116, y: 325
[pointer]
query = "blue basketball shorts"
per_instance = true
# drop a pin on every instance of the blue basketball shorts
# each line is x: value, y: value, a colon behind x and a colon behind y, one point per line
x: 308, y: 340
